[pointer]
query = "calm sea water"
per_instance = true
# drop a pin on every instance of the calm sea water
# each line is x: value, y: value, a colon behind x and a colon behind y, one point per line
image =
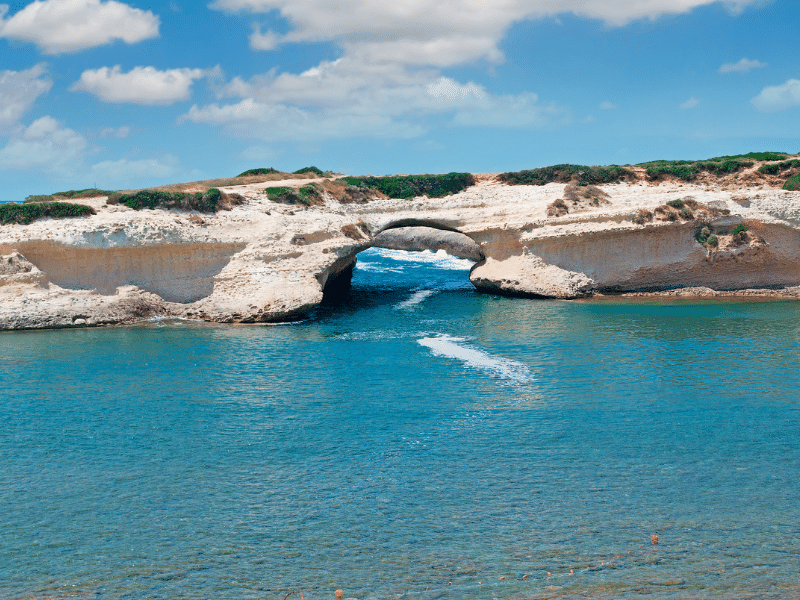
x: 420, y: 441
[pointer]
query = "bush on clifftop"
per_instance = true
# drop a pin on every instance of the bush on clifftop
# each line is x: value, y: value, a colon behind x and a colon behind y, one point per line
x: 28, y: 213
x: 261, y: 171
x: 411, y: 186
x: 207, y: 202
x: 566, y: 173
x: 792, y: 184
x: 71, y: 194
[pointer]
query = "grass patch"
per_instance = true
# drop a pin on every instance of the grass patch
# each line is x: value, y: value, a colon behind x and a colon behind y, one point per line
x: 306, y: 195
x: 411, y: 186
x: 565, y: 173
x: 71, y: 194
x: 759, y: 156
x: 260, y: 171
x: 688, y: 170
x: 793, y: 183
x: 209, y: 201
x: 312, y: 169
x: 28, y: 213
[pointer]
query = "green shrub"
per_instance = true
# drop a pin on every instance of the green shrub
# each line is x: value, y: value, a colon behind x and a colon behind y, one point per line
x: 685, y: 213
x: 71, y: 194
x: 410, y: 186
x: 687, y: 170
x: 28, y: 213
x: 565, y: 173
x: 208, y: 202
x: 712, y: 241
x: 703, y: 235
x: 261, y: 171
x: 314, y: 170
x: 306, y: 195
x: 754, y: 155
x: 775, y: 168
x: 643, y: 216
x: 792, y: 184
x: 675, y: 203
x: 738, y: 229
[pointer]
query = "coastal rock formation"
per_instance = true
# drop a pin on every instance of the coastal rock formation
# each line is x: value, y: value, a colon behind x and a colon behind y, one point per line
x: 428, y: 238
x: 263, y: 261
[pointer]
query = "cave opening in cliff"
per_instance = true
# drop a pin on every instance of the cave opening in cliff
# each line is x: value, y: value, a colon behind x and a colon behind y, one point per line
x: 404, y: 266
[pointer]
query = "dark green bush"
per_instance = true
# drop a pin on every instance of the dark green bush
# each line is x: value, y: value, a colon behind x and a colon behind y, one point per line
x: 28, y: 213
x: 675, y: 203
x: 685, y: 213
x: 792, y: 184
x: 314, y: 170
x: 261, y: 171
x: 753, y: 155
x: 738, y: 229
x: 776, y: 168
x: 687, y: 170
x: 87, y: 193
x: 565, y: 173
x: 410, y: 186
x: 306, y: 195
x: 207, y: 202
x: 712, y: 241
x: 703, y: 235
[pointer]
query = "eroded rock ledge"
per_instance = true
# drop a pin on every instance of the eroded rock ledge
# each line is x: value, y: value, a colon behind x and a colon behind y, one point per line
x: 265, y: 262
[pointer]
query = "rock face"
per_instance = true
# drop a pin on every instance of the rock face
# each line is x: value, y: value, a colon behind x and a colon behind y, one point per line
x: 428, y: 238
x: 263, y: 262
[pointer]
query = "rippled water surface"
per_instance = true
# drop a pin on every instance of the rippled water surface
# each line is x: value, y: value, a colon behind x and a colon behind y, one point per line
x: 419, y: 441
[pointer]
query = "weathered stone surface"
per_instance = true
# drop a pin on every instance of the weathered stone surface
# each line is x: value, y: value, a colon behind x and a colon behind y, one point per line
x: 428, y: 238
x: 263, y: 261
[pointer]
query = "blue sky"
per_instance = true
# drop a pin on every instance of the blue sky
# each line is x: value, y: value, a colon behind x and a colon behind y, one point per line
x: 129, y: 94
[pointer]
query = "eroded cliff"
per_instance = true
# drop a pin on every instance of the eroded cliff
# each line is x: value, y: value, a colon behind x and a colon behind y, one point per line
x: 263, y: 261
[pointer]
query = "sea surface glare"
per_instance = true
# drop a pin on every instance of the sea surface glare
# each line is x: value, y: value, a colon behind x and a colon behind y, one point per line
x: 419, y: 441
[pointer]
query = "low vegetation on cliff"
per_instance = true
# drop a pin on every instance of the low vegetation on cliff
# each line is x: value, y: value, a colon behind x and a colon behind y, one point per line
x: 306, y: 195
x: 581, y: 174
x: 68, y: 195
x: 28, y: 213
x: 411, y: 186
x: 793, y: 183
x: 209, y: 201
x: 577, y: 195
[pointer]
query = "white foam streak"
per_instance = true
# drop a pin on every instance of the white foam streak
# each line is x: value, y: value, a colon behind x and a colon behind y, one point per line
x: 451, y: 347
x: 439, y: 259
x: 416, y: 298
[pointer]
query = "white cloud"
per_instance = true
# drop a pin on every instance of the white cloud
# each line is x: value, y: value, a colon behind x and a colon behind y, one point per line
x: 443, y: 32
x: 142, y: 85
x: 778, y: 97
x: 44, y: 146
x: 59, y: 26
x: 743, y: 66
x: 127, y: 171
x: 263, y: 41
x: 690, y: 103
x: 18, y: 91
x: 607, y: 106
x: 363, y: 99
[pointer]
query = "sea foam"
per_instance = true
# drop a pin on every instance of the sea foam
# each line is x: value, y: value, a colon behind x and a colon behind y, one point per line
x: 453, y: 347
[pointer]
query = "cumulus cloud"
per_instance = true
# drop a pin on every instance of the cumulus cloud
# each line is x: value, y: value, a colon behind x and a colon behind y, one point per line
x: 778, y: 97
x: 59, y: 26
x: 439, y: 32
x: 690, y: 103
x: 607, y: 106
x: 364, y: 99
x: 18, y: 91
x: 263, y: 41
x: 142, y: 85
x: 44, y: 146
x: 117, y: 132
x: 743, y: 66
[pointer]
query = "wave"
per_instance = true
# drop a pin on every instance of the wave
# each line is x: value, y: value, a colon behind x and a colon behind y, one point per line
x: 439, y: 259
x: 416, y: 298
x: 452, y: 347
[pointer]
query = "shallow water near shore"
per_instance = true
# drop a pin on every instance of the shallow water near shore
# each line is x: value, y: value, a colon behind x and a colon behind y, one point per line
x: 420, y: 440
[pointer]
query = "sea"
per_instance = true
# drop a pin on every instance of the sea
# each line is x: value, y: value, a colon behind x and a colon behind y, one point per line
x: 416, y: 440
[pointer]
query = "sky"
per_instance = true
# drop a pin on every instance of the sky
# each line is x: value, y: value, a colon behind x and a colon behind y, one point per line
x: 121, y: 95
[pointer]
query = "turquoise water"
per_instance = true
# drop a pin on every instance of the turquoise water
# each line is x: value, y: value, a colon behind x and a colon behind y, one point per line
x: 419, y: 441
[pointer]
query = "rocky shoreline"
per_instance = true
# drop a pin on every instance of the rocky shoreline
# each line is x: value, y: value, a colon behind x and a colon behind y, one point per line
x: 263, y: 261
